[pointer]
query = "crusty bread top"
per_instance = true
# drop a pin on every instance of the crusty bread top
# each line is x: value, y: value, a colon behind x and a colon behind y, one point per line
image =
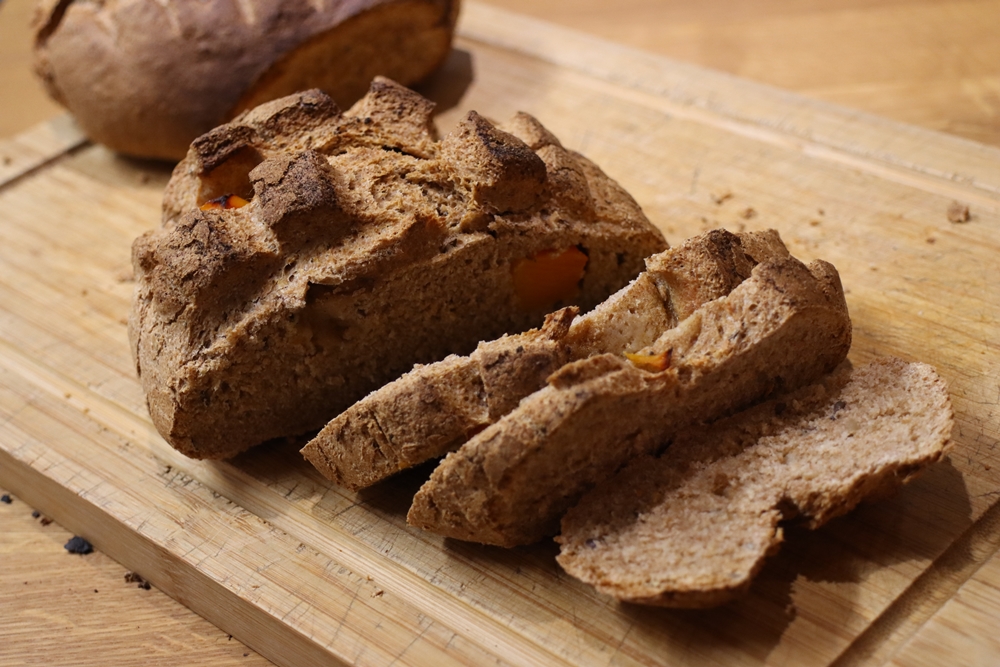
x: 692, y: 528
x: 146, y: 78
x: 367, y: 245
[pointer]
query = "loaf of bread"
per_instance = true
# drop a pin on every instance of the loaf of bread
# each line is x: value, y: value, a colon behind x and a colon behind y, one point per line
x: 784, y: 326
x: 692, y: 527
x: 434, y: 409
x: 308, y: 256
x: 147, y: 78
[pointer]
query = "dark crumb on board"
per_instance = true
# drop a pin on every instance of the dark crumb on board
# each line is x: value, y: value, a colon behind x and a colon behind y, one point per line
x: 7, y: 160
x: 720, y: 199
x: 814, y: 223
x: 6, y: 499
x: 931, y: 240
x: 958, y: 212
x: 749, y: 213
x: 133, y: 578
x: 78, y: 545
x: 35, y: 514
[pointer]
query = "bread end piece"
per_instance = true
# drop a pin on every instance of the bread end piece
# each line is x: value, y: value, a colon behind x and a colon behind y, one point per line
x: 692, y: 528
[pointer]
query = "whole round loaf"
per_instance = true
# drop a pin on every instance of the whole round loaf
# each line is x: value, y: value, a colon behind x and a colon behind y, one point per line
x: 146, y: 78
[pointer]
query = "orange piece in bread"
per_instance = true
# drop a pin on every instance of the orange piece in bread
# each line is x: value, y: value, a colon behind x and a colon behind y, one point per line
x: 548, y: 277
x: 224, y: 202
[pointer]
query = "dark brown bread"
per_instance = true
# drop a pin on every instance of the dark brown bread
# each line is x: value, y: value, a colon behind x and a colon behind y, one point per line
x: 692, y: 528
x: 784, y: 326
x: 433, y: 409
x: 367, y: 246
x: 147, y: 78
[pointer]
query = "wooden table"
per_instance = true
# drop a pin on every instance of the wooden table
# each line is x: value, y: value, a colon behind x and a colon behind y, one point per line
x: 933, y: 64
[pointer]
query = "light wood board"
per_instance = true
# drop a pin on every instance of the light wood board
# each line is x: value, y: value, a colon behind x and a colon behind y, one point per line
x: 307, y: 573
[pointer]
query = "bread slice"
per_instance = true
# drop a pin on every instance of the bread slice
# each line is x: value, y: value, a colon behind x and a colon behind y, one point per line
x: 366, y: 246
x: 693, y: 527
x: 433, y: 409
x: 147, y: 78
x: 784, y: 326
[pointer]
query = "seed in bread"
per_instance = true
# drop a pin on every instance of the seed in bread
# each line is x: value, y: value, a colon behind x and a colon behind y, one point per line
x: 366, y: 246
x: 147, y: 78
x: 693, y: 527
x: 784, y: 326
x: 433, y: 409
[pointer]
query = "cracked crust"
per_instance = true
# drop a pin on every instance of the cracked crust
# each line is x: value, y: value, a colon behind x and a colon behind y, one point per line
x: 146, y: 78
x: 367, y: 245
x: 693, y: 527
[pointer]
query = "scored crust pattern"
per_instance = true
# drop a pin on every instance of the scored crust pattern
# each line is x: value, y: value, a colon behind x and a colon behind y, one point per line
x: 367, y: 245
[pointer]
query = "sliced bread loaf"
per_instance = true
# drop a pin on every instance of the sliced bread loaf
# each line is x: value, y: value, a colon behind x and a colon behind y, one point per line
x: 309, y: 256
x: 433, y: 409
x: 784, y: 326
x: 693, y: 527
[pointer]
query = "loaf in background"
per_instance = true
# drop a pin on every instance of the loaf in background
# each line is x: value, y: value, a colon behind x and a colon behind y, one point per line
x: 146, y: 78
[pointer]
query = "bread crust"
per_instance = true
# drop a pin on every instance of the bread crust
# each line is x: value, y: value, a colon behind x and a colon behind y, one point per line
x: 146, y: 78
x: 367, y: 246
x: 693, y: 527
x: 434, y: 409
x: 784, y: 326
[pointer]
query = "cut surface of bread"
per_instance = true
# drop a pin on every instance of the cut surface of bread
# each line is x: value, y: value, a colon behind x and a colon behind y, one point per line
x: 147, y: 78
x: 784, y: 326
x: 308, y: 256
x: 433, y: 409
x: 692, y: 527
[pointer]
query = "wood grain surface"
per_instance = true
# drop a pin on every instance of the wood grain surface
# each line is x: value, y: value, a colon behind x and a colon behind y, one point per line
x: 883, y: 584
x: 56, y: 607
x: 934, y: 63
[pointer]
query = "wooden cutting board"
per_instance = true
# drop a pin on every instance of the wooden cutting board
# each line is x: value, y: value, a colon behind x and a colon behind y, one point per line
x: 308, y: 574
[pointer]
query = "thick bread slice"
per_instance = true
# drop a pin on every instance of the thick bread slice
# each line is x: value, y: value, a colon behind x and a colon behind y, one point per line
x: 433, y: 409
x: 367, y: 246
x: 146, y: 78
x: 784, y: 326
x: 692, y: 528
